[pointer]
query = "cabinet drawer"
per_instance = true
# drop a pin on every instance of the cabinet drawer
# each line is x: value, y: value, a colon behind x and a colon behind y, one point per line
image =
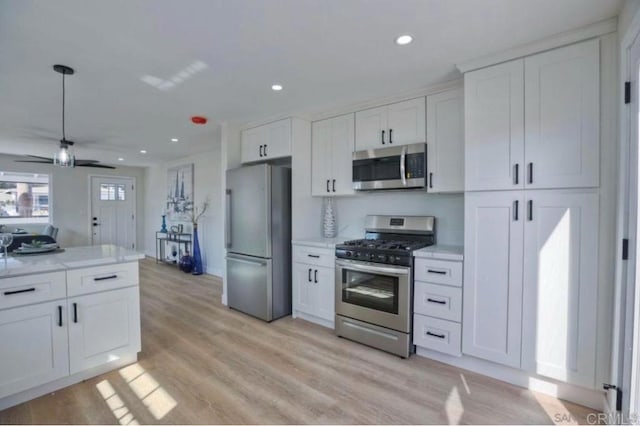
x: 314, y: 256
x: 436, y: 334
x: 101, y: 278
x: 438, y: 301
x: 439, y: 272
x: 28, y: 289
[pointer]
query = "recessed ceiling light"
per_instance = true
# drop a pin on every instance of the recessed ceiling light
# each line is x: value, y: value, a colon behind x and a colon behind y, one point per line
x: 404, y: 39
x: 174, y: 139
x: 143, y: 151
x: 120, y: 159
x: 276, y: 87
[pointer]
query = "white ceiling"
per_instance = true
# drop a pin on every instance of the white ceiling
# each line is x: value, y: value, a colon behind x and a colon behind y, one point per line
x: 324, y: 52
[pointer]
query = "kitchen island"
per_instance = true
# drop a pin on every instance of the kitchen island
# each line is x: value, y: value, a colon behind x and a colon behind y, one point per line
x: 65, y: 317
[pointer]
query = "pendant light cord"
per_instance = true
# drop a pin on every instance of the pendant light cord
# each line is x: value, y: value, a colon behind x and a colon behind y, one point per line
x: 64, y: 137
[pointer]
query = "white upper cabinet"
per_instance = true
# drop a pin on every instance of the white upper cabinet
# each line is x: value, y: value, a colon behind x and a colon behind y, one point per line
x: 331, y: 156
x: 400, y: 123
x: 445, y: 141
x: 560, y: 292
x: 494, y: 127
x: 534, y: 122
x: 266, y: 142
x: 492, y: 297
x: 562, y: 117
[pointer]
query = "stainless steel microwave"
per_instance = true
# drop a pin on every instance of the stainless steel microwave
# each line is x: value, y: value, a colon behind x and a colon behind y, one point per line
x: 398, y: 167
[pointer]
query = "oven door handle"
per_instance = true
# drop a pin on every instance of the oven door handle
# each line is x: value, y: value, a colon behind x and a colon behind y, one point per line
x: 372, y: 268
x: 403, y: 167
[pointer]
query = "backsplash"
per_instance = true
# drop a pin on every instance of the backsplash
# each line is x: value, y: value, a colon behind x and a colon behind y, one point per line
x: 447, y: 208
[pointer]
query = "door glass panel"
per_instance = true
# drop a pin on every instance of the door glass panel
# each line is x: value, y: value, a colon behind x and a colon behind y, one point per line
x: 379, y: 292
x: 107, y: 192
x: 120, y: 192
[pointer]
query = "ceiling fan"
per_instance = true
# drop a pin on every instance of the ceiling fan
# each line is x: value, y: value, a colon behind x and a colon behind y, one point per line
x: 64, y: 157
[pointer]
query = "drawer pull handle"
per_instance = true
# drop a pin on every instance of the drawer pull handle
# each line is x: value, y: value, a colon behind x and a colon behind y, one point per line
x: 25, y: 290
x: 440, y: 302
x: 108, y: 277
x: 315, y: 256
x: 439, y: 336
x: 433, y: 271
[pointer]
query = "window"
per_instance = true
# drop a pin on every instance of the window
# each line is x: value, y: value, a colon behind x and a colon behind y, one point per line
x: 24, y: 198
x: 112, y: 192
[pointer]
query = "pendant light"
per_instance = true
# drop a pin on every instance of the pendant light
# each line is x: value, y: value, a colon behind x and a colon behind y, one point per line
x: 64, y: 157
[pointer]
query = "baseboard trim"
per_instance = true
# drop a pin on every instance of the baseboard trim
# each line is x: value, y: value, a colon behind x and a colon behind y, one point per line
x: 29, y: 394
x: 576, y: 394
x: 313, y: 319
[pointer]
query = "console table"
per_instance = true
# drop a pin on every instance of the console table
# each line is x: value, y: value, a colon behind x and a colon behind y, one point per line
x: 182, y: 240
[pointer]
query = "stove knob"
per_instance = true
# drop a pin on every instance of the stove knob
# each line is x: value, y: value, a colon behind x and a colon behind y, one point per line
x: 348, y: 254
x: 382, y: 258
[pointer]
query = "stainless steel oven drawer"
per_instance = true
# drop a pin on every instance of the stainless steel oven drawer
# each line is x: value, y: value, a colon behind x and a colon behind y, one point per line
x: 388, y: 340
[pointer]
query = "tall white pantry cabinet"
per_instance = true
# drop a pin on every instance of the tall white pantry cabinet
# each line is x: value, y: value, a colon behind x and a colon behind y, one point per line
x: 532, y: 150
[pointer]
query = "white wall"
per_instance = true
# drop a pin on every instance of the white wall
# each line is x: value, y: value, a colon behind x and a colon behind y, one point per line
x: 70, y: 198
x: 447, y: 208
x: 627, y: 13
x: 207, y: 185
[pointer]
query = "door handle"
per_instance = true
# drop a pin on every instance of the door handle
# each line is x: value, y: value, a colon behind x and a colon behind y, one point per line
x: 383, y: 137
x: 25, y: 290
x: 261, y: 151
x: 430, y: 180
x: 265, y: 149
x: 328, y: 185
x: 96, y: 224
x: 315, y: 276
x: 403, y: 171
x: 530, y: 172
x: 334, y: 185
x: 75, y: 313
x: 59, y: 316
x: 516, y: 173
x: 309, y: 277
x: 390, y: 135
x: 530, y: 210
x: 227, y: 228
x: 248, y: 262
x: 515, y: 210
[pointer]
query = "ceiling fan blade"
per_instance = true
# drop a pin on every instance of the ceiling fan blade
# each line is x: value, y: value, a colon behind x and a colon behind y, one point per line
x: 78, y: 162
x: 99, y: 166
x: 40, y: 158
x: 34, y: 161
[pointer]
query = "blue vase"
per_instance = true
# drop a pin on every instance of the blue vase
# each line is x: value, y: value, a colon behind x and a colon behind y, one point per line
x: 197, y: 258
x: 164, y: 224
x: 186, y: 263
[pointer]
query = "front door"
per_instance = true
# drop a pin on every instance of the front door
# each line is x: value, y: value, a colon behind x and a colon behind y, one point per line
x: 112, y: 218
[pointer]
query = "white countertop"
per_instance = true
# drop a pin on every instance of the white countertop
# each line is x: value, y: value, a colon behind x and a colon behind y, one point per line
x: 329, y: 243
x: 442, y: 252
x: 70, y: 258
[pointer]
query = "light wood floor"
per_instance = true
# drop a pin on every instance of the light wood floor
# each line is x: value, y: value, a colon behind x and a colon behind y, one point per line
x: 204, y: 363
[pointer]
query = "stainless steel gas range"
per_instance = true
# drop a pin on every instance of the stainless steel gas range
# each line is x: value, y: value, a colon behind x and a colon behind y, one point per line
x: 374, y: 282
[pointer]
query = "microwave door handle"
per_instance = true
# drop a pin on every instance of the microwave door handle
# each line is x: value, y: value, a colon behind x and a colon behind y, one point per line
x: 403, y: 171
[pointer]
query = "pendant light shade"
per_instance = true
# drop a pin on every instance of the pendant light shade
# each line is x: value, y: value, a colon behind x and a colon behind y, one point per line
x: 64, y: 157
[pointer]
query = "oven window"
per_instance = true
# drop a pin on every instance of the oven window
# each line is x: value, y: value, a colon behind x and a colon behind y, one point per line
x: 379, y: 292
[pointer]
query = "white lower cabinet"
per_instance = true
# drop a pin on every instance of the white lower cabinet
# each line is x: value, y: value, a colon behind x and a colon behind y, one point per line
x: 314, y: 287
x: 531, y: 281
x: 34, y: 348
x: 437, y: 305
x: 103, y: 327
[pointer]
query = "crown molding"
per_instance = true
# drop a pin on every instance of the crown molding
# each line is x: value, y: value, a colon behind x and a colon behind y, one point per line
x: 590, y: 31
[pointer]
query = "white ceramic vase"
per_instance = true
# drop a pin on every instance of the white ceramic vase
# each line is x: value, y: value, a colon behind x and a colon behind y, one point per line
x: 329, y: 224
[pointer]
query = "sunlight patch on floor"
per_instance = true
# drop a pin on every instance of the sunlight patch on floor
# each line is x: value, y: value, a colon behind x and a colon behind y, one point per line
x: 464, y: 382
x: 453, y: 407
x: 115, y: 403
x: 555, y: 409
x: 148, y: 390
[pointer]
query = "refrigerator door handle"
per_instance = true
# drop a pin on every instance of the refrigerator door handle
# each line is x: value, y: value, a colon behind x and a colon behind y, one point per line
x: 227, y: 229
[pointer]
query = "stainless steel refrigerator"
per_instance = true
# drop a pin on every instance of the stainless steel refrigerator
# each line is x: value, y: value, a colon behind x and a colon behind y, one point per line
x: 258, y: 240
